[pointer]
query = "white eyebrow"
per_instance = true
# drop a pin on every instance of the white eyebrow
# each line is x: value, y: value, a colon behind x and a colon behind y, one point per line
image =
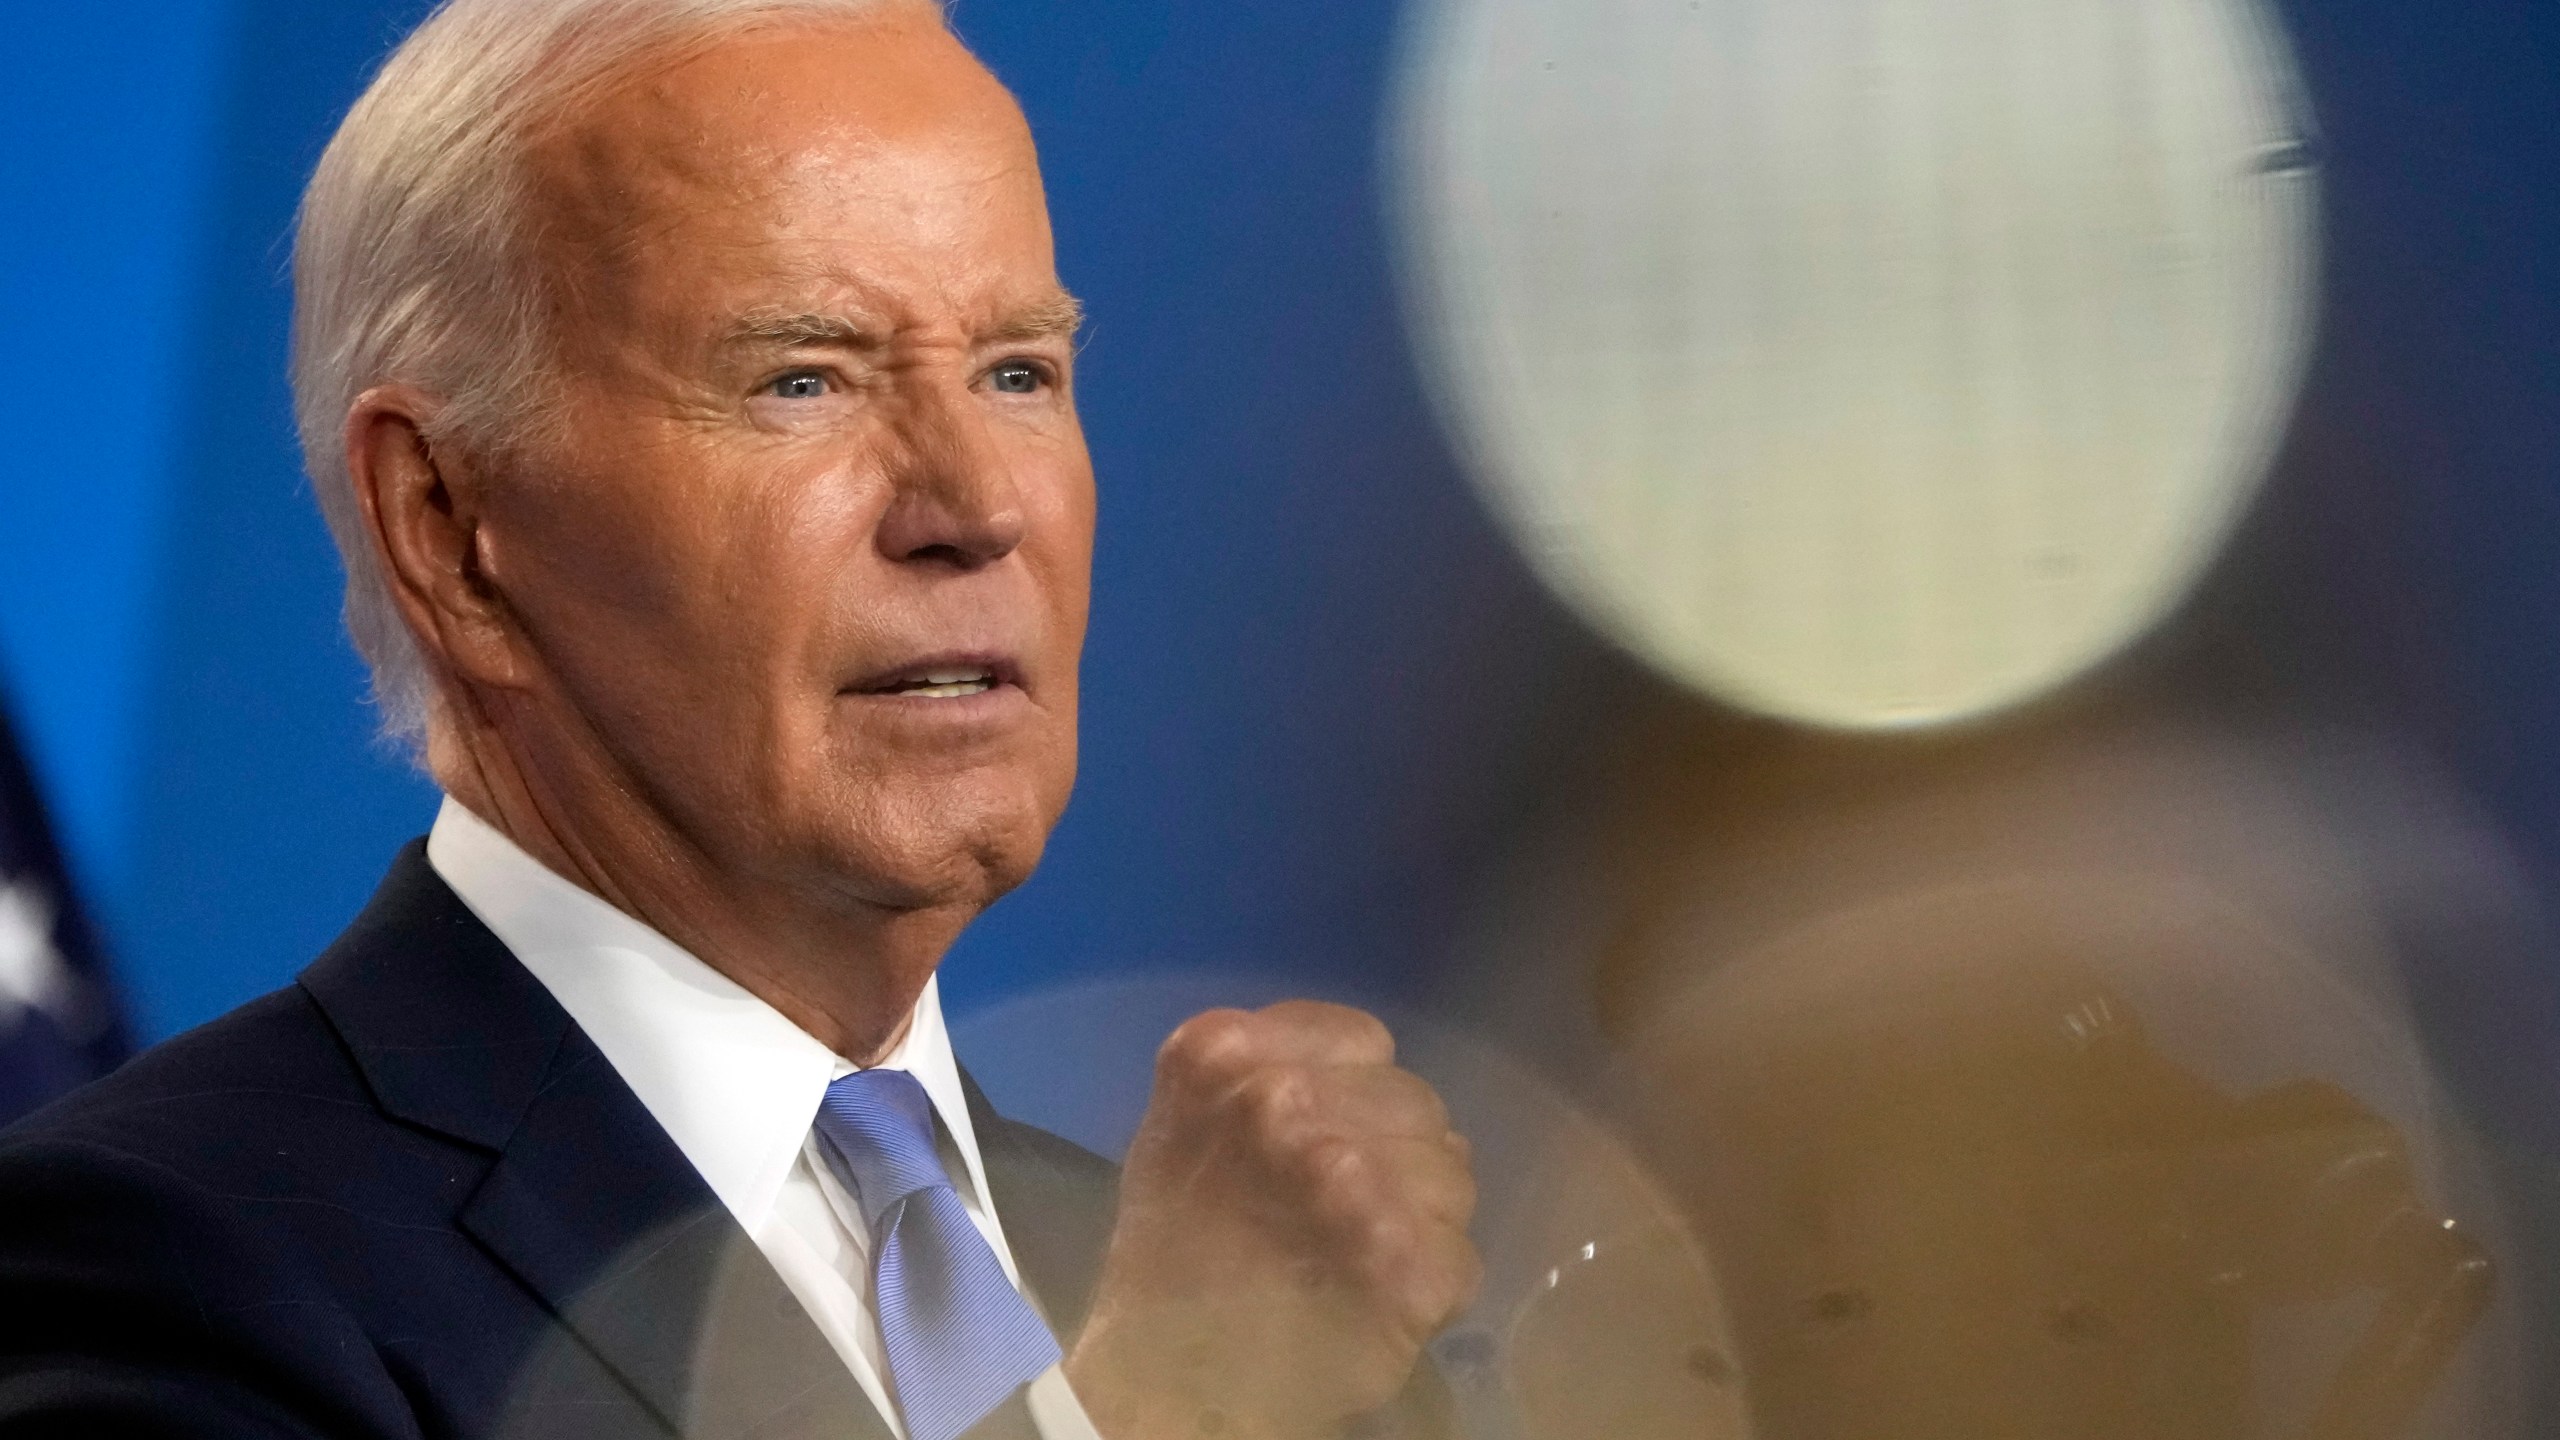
x: 1059, y: 315
x: 799, y: 327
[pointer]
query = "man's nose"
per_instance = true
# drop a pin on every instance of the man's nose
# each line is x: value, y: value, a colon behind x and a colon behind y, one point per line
x: 954, y: 498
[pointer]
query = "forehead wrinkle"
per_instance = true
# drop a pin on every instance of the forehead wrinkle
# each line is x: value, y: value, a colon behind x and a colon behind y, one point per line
x: 624, y: 193
x: 615, y: 194
x: 666, y: 137
x: 659, y: 105
x: 656, y: 167
x: 625, y: 179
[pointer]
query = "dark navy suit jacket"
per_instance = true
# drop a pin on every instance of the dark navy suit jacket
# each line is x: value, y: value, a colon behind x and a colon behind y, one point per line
x: 408, y: 1197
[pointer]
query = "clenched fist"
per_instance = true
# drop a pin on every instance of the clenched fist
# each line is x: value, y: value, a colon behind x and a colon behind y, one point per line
x: 1292, y: 1230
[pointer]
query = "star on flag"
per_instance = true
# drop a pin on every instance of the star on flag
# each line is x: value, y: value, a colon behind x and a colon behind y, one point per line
x: 33, y: 973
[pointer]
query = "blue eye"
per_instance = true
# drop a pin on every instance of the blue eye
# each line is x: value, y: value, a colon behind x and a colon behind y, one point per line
x: 798, y: 385
x: 1016, y: 377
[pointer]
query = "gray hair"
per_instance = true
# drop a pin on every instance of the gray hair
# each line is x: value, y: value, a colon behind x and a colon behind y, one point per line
x: 413, y: 262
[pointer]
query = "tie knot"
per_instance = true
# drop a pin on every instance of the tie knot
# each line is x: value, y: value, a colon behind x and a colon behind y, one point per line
x: 879, y: 1130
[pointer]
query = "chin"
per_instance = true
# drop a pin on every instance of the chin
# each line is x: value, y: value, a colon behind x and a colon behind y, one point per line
x: 968, y: 876
x: 943, y: 848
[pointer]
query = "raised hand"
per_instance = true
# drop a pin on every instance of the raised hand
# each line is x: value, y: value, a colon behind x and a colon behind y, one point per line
x: 1292, y: 1231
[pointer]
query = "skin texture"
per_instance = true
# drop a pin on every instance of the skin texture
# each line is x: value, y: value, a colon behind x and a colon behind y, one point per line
x: 654, y: 629
x: 1292, y: 1231
x: 817, y: 434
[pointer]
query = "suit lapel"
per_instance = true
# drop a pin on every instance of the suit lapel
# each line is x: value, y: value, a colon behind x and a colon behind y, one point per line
x: 594, y: 1208
x: 588, y: 1203
x: 1057, y: 1201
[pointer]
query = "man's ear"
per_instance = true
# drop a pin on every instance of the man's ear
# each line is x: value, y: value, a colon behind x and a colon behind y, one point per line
x: 424, y: 512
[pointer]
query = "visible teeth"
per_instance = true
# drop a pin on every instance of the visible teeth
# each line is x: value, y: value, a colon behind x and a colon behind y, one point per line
x: 948, y: 684
x: 942, y: 684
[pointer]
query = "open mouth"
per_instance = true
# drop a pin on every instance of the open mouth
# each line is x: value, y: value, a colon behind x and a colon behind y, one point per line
x: 951, y: 679
x: 942, y: 685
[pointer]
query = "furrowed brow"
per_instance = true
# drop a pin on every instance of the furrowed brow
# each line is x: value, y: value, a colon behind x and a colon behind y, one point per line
x: 1057, y: 317
x: 783, y: 328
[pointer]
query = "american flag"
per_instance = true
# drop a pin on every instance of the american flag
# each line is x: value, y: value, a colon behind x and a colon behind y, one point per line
x: 60, y: 1024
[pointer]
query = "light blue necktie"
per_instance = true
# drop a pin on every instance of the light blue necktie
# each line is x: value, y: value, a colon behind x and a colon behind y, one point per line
x: 960, y: 1339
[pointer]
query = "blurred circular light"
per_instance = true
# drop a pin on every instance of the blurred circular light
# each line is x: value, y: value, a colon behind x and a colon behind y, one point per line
x: 1864, y: 362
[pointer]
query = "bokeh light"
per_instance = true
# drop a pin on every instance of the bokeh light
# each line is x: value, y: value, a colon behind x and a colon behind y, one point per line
x: 1868, y: 363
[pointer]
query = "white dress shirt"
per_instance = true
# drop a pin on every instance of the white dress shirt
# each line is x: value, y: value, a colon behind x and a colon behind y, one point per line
x: 736, y: 1086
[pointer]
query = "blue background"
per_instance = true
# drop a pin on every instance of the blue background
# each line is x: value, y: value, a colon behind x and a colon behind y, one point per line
x: 1315, y: 674
x: 1320, y: 689
x: 1322, y: 696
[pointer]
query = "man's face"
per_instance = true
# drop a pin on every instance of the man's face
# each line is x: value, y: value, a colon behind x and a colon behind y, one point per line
x: 806, y: 564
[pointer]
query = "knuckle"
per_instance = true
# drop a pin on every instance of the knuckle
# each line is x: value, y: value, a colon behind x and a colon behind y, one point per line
x: 1206, y: 1045
x: 1419, y: 1298
x: 1277, y: 1099
x: 1444, y: 1190
x: 1462, y: 1198
x: 1340, y: 1171
x: 1382, y: 1265
x: 1388, y: 1242
x: 1423, y: 1110
x: 1440, y: 1280
x: 1366, y: 1033
x: 1448, y: 1166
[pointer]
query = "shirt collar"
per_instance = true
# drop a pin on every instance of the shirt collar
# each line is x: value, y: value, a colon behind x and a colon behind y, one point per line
x: 734, y: 1083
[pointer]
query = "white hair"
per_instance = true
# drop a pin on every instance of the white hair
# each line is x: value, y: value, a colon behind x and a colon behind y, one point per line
x: 414, y: 260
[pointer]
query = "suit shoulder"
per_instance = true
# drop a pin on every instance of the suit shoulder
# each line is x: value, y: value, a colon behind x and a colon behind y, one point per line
x: 138, y: 1298
x: 266, y: 1064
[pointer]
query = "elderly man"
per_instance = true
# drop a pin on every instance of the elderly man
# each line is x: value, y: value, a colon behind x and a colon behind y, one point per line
x: 689, y: 388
